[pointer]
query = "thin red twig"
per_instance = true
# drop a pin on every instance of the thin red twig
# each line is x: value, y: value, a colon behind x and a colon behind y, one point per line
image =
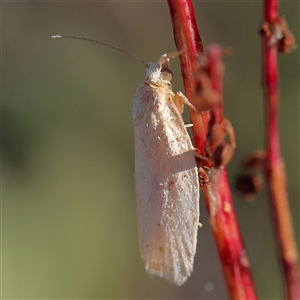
x: 232, y: 253
x: 275, y: 171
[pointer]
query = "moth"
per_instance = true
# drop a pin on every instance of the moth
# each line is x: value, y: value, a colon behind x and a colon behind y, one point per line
x: 166, y: 177
x: 166, y: 174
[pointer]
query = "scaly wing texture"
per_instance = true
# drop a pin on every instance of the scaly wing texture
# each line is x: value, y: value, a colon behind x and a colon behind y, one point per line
x: 166, y: 185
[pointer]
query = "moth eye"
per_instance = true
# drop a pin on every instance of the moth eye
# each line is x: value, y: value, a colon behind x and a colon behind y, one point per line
x: 166, y: 74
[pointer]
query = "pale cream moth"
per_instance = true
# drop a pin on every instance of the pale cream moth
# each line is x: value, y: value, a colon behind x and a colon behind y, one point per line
x: 166, y: 177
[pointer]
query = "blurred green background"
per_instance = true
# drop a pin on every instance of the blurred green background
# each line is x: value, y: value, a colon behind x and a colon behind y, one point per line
x: 69, y: 226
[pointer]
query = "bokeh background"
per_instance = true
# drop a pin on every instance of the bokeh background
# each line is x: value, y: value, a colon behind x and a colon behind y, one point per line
x: 69, y: 227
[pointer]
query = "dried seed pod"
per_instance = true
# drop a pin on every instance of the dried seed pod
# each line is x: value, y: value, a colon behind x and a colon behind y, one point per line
x: 249, y: 184
x: 205, y: 96
x: 250, y: 180
x: 222, y: 143
x: 211, y: 67
x: 278, y: 33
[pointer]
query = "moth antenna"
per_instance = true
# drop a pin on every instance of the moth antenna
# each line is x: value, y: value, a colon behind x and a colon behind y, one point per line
x: 101, y: 43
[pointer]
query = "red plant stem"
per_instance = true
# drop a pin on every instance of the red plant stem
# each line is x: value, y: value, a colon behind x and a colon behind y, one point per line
x: 183, y: 21
x: 232, y: 254
x: 275, y: 171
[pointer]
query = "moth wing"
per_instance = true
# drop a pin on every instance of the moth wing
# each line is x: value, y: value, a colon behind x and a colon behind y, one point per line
x: 167, y: 188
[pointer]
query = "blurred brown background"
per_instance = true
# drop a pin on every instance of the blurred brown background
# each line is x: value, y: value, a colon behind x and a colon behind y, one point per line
x: 69, y: 225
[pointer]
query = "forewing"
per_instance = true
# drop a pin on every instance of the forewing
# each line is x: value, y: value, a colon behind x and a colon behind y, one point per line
x: 167, y: 187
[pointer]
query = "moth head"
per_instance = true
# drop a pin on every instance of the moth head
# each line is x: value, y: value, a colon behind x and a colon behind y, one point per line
x: 165, y: 72
x: 159, y: 72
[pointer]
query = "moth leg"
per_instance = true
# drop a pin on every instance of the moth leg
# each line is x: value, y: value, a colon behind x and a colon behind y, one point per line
x: 179, y: 99
x: 199, y: 157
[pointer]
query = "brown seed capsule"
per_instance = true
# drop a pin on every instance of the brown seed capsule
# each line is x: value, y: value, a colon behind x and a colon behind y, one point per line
x: 222, y: 143
x: 278, y: 33
x: 210, y: 71
x: 205, y: 96
x: 249, y: 184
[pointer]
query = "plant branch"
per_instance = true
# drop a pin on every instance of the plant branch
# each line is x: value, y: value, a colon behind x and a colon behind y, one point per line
x: 231, y: 250
x: 274, y: 167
